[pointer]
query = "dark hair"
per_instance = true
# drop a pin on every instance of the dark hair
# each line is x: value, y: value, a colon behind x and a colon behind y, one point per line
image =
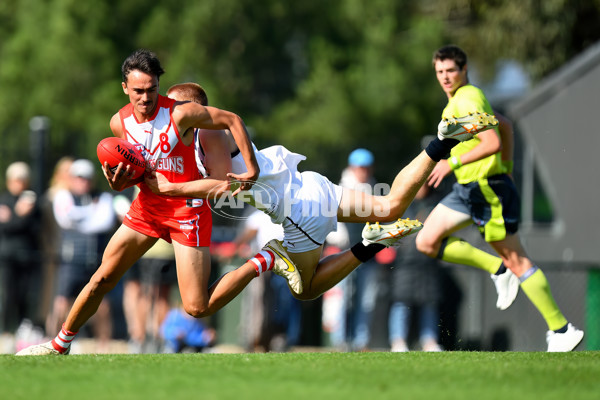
x: 189, y: 92
x: 142, y: 60
x: 451, y: 52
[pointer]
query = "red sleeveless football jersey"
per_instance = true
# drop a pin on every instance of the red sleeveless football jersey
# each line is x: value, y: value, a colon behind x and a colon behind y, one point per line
x: 164, y: 152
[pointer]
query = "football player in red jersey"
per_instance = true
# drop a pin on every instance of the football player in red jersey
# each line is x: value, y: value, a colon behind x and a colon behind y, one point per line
x: 162, y: 126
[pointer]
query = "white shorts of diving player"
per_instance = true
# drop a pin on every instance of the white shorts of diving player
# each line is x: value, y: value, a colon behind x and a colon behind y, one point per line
x: 305, y: 204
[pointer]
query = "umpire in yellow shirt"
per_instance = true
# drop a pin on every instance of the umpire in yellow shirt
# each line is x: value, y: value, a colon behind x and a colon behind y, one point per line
x: 486, y: 196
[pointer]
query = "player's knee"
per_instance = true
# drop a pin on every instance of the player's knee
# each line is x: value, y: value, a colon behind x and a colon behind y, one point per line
x: 425, y: 246
x: 306, y: 295
x: 196, y: 310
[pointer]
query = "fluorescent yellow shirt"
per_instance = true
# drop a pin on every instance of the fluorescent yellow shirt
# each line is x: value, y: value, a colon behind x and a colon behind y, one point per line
x: 471, y: 99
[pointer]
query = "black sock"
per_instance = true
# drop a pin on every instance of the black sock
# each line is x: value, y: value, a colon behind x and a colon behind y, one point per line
x: 562, y: 330
x: 501, y: 269
x: 438, y: 149
x: 365, y: 253
x: 440, y: 253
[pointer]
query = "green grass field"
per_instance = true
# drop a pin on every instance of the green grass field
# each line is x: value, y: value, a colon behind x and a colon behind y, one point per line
x: 311, y: 376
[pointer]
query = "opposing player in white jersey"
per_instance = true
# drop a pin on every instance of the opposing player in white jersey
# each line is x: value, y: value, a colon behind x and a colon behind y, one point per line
x: 309, y: 206
x: 163, y: 128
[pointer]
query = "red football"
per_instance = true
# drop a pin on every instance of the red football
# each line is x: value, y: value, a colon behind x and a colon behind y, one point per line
x: 114, y: 150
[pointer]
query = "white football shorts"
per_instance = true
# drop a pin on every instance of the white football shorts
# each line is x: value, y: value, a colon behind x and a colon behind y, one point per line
x: 313, y: 213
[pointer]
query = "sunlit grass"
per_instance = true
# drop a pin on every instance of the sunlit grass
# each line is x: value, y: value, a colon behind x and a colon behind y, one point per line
x: 414, y: 375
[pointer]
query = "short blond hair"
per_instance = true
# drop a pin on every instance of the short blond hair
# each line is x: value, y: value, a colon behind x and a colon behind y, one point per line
x: 188, y: 92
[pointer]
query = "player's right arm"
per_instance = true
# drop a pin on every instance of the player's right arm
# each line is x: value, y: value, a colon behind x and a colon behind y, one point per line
x: 116, y: 126
x: 121, y: 178
x: 489, y: 144
x: 466, y: 100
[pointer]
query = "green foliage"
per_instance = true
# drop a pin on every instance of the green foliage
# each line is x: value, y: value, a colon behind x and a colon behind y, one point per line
x: 319, y: 77
x: 542, y: 34
x: 56, y: 67
x: 370, y: 87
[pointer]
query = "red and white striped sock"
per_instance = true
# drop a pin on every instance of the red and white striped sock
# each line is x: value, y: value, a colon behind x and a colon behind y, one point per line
x: 63, y: 340
x: 263, y: 261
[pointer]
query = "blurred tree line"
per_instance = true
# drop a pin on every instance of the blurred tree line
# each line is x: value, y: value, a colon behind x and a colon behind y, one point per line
x: 321, y: 78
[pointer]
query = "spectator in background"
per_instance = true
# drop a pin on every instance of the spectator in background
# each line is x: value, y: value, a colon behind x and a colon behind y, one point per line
x: 146, y: 297
x: 271, y: 315
x: 51, y: 235
x: 415, y: 286
x: 183, y: 333
x: 19, y: 249
x: 334, y: 312
x: 61, y: 177
x: 86, y: 219
x: 146, y: 288
x: 365, y: 284
x: 359, y: 289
